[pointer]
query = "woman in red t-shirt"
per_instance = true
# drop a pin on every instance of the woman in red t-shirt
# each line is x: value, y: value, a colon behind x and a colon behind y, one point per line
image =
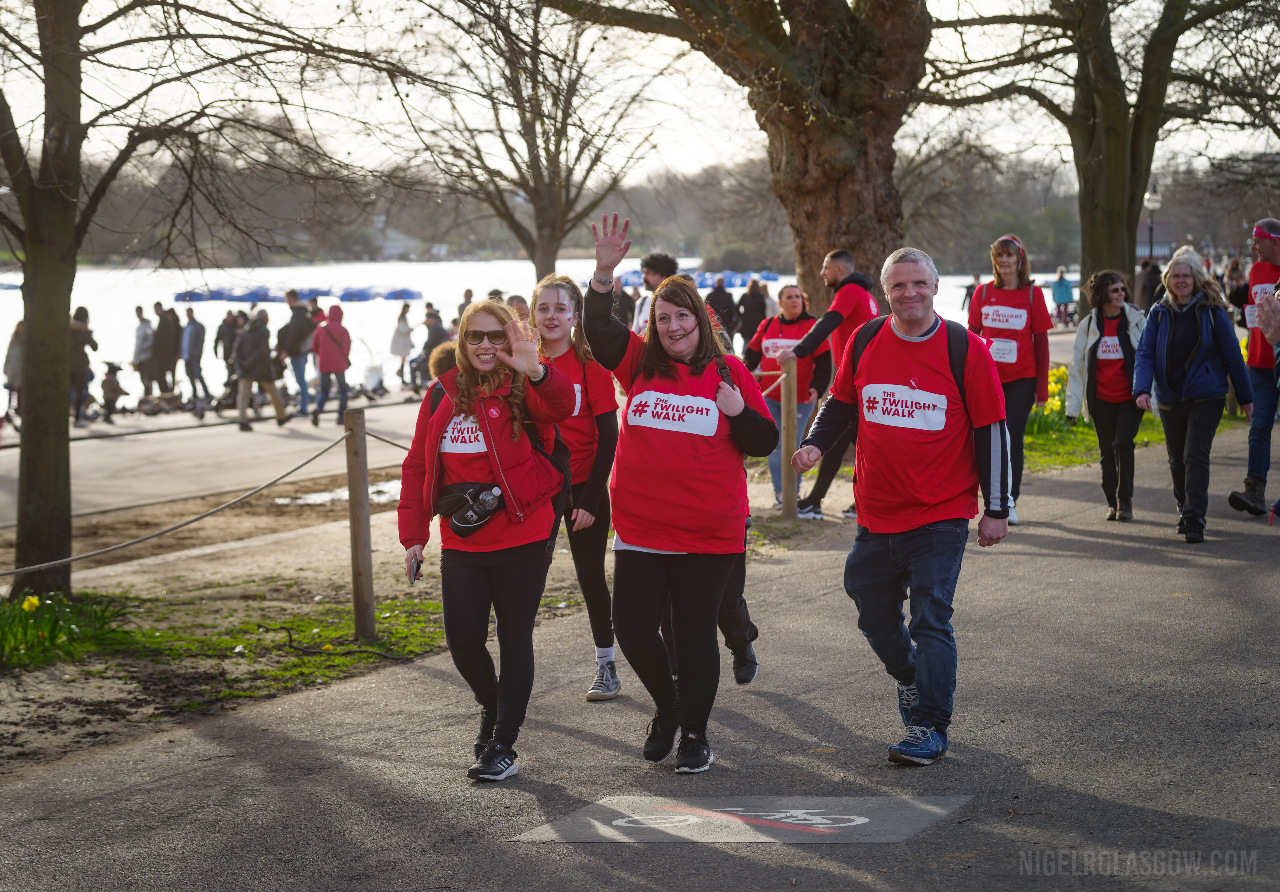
x: 679, y: 491
x: 473, y: 443
x: 1101, y: 379
x: 1011, y: 316
x: 591, y: 433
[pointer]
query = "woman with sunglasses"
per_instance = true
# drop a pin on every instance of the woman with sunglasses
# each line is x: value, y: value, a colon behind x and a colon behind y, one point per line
x: 474, y: 463
x: 678, y: 489
x: 813, y: 372
x: 1010, y: 314
x: 591, y: 433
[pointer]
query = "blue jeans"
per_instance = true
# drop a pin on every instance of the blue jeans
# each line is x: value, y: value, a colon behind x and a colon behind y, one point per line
x: 775, y: 457
x: 326, y: 381
x: 299, y: 364
x: 880, y: 570
x: 1264, y: 416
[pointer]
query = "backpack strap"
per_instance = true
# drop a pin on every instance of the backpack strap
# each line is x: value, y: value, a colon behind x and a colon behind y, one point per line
x: 436, y: 396
x: 560, y: 460
x: 722, y: 369
x: 958, y: 354
x: 868, y: 331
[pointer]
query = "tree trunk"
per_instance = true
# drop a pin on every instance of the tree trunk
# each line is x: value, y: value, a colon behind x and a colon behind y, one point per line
x: 544, y: 254
x: 1102, y: 168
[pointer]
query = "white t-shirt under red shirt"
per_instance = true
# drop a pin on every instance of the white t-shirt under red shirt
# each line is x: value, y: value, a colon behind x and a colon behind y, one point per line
x: 594, y: 388
x: 1262, y: 282
x: 678, y: 483
x: 1007, y: 318
x: 915, y: 458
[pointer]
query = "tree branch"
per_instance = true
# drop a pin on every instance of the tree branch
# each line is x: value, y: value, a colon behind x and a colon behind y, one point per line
x: 611, y: 16
x: 14, y: 155
x: 1004, y: 92
x: 1042, y: 21
x: 12, y: 227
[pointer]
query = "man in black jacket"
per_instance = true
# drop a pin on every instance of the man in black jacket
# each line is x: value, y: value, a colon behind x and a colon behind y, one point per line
x: 166, y: 348
x: 752, y: 310
x: 721, y: 303
x: 294, y: 341
x: 419, y: 371
x: 225, y: 338
x: 253, y: 363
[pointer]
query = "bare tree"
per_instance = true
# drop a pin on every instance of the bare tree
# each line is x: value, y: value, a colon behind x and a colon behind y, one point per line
x: 186, y: 86
x: 545, y: 128
x: 1117, y: 76
x: 829, y: 83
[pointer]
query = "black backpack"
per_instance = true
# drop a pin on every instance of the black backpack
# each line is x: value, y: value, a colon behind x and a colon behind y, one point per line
x: 957, y: 348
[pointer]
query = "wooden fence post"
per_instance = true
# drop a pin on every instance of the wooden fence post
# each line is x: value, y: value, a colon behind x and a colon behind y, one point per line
x: 788, y: 434
x: 361, y: 540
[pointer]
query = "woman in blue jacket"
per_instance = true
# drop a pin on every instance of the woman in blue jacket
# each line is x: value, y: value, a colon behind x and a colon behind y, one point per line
x: 1187, y: 352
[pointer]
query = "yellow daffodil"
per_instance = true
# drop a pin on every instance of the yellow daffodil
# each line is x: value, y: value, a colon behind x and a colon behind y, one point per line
x: 31, y: 603
x: 327, y: 647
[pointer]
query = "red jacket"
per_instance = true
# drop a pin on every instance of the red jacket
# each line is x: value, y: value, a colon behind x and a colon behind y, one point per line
x: 331, y: 343
x: 527, y: 479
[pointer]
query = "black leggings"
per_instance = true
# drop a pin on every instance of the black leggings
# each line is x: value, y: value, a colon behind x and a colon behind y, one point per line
x: 733, y: 618
x: 589, y: 547
x: 696, y: 583
x: 511, y: 581
x: 1116, y: 425
x: 832, y: 459
x: 1189, y: 428
x: 1019, y: 400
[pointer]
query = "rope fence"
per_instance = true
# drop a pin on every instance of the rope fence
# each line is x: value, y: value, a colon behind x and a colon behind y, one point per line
x: 369, y: 433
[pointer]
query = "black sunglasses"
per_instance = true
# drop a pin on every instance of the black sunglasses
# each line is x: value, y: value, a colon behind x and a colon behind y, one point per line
x: 497, y: 337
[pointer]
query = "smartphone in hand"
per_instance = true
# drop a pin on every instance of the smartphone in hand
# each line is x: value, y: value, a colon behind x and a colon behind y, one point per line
x: 415, y: 570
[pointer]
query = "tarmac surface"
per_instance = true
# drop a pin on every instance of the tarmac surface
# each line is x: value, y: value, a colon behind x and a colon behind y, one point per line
x: 1115, y: 728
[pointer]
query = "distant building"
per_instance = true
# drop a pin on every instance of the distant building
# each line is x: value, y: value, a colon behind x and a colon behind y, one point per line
x: 397, y: 245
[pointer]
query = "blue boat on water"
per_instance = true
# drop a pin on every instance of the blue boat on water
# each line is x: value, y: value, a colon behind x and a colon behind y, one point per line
x: 633, y: 279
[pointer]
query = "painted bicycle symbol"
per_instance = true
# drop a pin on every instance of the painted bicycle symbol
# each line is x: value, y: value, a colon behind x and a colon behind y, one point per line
x: 657, y: 821
x: 807, y: 820
x: 801, y: 817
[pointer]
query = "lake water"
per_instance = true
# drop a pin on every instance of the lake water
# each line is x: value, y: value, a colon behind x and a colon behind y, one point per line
x: 111, y: 295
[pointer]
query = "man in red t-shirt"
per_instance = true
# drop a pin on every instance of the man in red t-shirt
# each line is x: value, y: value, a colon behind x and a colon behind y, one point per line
x: 1263, y: 276
x: 925, y: 448
x: 850, y: 308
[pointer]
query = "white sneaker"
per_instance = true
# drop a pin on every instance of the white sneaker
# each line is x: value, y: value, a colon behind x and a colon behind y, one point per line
x: 1013, y: 516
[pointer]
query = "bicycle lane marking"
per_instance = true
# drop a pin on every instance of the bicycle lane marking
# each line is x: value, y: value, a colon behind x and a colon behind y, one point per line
x: 729, y: 816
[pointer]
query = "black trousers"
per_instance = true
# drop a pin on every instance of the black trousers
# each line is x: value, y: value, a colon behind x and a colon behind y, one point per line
x: 1116, y: 425
x: 696, y: 582
x: 511, y: 581
x: 733, y: 618
x: 588, y: 548
x: 829, y: 466
x: 1189, y: 427
x: 1019, y: 400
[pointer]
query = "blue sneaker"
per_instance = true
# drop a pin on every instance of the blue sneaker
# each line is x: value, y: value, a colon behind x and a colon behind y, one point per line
x: 908, y: 697
x: 921, y: 746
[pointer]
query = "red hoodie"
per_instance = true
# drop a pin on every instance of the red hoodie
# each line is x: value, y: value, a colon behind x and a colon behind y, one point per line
x: 331, y: 343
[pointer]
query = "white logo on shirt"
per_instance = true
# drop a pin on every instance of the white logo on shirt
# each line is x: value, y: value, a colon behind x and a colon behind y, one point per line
x: 1003, y: 317
x: 1109, y: 348
x: 1003, y: 350
x: 1251, y: 311
x: 577, y: 398
x: 668, y: 412
x: 462, y: 435
x: 774, y: 346
x: 903, y: 407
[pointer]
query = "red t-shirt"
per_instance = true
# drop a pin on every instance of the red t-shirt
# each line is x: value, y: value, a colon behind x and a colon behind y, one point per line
x: 1111, y: 384
x: 915, y: 460
x: 678, y: 483
x: 857, y: 306
x: 1007, y: 318
x: 771, y: 338
x: 465, y: 460
x: 1262, y: 281
x: 594, y: 389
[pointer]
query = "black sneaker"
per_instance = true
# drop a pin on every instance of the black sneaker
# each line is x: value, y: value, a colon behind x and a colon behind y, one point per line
x: 745, y: 665
x: 488, y: 717
x: 809, y: 509
x: 315, y: 417
x: 246, y: 427
x: 661, y: 742
x: 497, y: 762
x: 695, y: 754
x: 851, y: 512
x: 1194, y: 533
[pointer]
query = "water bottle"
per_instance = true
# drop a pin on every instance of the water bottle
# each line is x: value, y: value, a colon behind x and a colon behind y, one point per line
x: 489, y: 500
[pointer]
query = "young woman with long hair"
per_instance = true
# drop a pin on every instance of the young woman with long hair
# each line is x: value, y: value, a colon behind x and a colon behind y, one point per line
x: 678, y: 489
x: 1187, y: 353
x: 1100, y: 381
x: 402, y: 340
x: 591, y: 433
x: 480, y: 460
x: 1011, y: 315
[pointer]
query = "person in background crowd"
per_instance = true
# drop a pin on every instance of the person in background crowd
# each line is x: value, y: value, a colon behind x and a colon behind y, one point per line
x: 721, y: 303
x: 1151, y: 285
x: 519, y: 306
x: 13, y: 373
x: 495, y: 294
x: 466, y: 302
x: 624, y: 307
x: 331, y: 343
x: 293, y: 341
x: 1010, y: 313
x: 420, y: 368
x: 591, y: 433
x: 813, y: 372
x: 166, y: 348
x: 969, y: 289
x: 1263, y: 276
x: 697, y: 412
x: 1099, y: 381
x: 402, y: 340
x: 81, y: 337
x: 485, y: 428
x: 143, y: 351
x: 1063, y: 297
x: 770, y: 305
x: 111, y: 392
x: 253, y: 364
x: 655, y: 269
x: 192, y: 354
x: 443, y: 358
x: 851, y: 307
x: 917, y: 481
x: 1187, y: 352
x: 317, y: 318
x: 1268, y: 319
x: 752, y: 310
x: 225, y: 339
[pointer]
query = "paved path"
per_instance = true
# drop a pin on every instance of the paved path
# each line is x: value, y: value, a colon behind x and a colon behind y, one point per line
x: 119, y: 472
x: 1117, y: 694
